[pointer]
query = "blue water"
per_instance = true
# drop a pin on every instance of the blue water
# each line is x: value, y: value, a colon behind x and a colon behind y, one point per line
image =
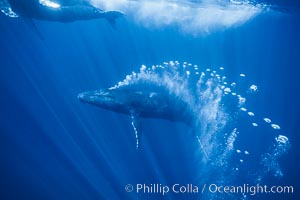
x: 55, y: 147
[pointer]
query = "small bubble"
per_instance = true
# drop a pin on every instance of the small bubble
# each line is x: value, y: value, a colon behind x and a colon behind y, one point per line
x: 227, y: 90
x: 143, y: 67
x: 246, y: 153
x: 267, y: 120
x: 251, y: 114
x: 282, y: 139
x: 241, y: 99
x: 254, y: 124
x: 275, y: 126
x: 243, y: 109
x: 221, y: 68
x: 242, y: 75
x: 241, y: 160
x: 253, y: 88
x: 238, y: 151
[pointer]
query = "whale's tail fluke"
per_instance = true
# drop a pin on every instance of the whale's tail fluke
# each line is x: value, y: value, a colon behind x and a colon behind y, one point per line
x: 111, y: 16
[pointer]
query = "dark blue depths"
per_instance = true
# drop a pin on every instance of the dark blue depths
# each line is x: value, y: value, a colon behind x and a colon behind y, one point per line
x: 54, y: 147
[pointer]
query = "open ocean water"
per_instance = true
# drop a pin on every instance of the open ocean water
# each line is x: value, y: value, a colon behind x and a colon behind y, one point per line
x: 236, y: 64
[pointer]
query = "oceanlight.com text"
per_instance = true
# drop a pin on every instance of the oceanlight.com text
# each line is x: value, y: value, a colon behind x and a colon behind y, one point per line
x: 177, y: 188
x: 249, y: 189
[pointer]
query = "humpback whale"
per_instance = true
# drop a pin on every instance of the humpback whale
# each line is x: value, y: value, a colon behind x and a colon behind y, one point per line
x: 144, y: 102
x: 59, y: 10
x: 181, y: 92
x: 205, y: 100
x: 146, y: 95
x: 140, y: 102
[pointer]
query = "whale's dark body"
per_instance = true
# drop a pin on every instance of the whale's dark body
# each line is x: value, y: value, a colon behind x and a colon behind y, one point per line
x: 60, y: 10
x: 142, y: 102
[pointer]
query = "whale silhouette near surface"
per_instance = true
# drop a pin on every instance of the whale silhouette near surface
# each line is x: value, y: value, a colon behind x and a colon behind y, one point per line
x: 57, y: 10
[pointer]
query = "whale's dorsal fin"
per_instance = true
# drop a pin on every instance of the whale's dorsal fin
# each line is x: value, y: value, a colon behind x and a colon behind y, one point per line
x: 135, y: 122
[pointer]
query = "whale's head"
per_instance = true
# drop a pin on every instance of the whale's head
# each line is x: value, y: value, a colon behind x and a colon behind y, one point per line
x: 107, y: 99
x: 144, y: 102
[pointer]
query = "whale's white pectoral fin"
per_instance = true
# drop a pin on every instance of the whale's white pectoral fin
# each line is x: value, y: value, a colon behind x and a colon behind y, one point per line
x: 135, y: 122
